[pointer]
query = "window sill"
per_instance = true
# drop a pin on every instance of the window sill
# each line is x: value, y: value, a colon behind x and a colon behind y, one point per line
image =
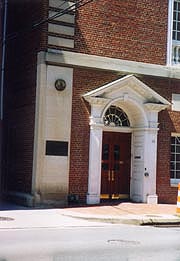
x: 174, y: 182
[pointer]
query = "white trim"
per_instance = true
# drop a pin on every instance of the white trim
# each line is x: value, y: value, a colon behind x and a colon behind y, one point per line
x: 175, y: 134
x: 133, y: 82
x: 94, y: 179
x: 67, y: 58
x: 169, y: 36
x: 174, y: 182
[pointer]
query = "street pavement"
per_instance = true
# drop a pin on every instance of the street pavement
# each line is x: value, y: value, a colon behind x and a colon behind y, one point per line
x: 18, y: 217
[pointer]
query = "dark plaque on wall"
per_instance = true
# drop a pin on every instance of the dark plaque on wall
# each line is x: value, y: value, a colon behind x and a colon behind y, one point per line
x: 56, y: 148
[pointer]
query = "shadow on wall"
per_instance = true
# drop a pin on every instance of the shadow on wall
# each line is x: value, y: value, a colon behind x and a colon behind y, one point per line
x: 80, y: 43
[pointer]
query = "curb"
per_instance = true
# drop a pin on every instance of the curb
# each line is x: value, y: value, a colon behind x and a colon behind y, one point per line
x: 173, y: 220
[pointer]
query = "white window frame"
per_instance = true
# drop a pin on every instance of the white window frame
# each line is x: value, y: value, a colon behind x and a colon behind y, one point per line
x: 170, y: 40
x: 170, y: 24
x: 175, y: 181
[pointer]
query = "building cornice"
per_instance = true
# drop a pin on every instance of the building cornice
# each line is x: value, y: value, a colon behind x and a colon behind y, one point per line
x: 72, y: 59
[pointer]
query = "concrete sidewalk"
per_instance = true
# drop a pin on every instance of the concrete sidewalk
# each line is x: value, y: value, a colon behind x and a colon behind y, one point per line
x: 122, y: 213
x: 128, y: 213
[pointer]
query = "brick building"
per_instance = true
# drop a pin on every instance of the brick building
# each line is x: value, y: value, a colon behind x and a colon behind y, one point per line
x: 91, y: 101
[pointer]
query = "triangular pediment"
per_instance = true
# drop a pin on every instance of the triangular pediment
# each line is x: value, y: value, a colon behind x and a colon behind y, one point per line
x: 128, y: 85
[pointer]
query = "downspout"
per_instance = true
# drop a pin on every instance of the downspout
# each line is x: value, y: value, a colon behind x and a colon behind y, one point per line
x: 3, y: 59
x: 2, y: 87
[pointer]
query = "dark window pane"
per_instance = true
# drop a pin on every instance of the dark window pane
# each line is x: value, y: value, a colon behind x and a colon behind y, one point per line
x: 174, y: 26
x: 116, y: 152
x: 116, y: 167
x: 178, y: 6
x: 172, y: 140
x: 172, y: 148
x: 105, y: 152
x: 174, y: 35
x: 172, y: 157
x: 172, y: 175
x: 174, y: 15
x: 105, y: 166
x: 178, y: 149
x: 177, y: 166
x: 172, y: 165
x: 175, y: 5
x: 178, y: 157
x: 178, y: 174
x: 178, y: 36
x: 178, y: 26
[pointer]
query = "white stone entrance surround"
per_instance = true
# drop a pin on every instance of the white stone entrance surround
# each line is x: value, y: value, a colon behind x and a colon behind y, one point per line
x: 142, y: 105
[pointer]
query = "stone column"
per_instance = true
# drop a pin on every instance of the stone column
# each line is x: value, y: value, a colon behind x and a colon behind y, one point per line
x: 95, y: 149
x: 150, y: 161
x: 150, y: 153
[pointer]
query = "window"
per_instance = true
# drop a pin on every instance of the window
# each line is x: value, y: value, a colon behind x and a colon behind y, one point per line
x: 175, y: 102
x: 176, y: 21
x: 115, y: 117
x: 175, y: 158
x: 174, y: 32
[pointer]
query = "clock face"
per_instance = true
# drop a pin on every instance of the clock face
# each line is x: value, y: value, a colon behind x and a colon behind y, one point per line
x: 60, y: 84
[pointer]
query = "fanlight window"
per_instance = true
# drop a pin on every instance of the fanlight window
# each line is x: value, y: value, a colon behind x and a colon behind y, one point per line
x: 116, y: 117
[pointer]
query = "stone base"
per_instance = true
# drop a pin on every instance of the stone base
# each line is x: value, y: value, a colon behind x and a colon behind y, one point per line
x: 93, y: 199
x: 34, y: 201
x: 152, y: 199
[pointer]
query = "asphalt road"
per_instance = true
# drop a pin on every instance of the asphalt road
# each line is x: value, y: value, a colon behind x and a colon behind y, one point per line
x: 105, y: 242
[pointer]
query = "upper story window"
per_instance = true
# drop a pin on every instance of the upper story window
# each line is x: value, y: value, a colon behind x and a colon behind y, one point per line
x: 176, y: 21
x: 174, y: 32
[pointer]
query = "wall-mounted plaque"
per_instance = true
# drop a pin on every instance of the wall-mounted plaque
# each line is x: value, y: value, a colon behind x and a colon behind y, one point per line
x: 56, y: 148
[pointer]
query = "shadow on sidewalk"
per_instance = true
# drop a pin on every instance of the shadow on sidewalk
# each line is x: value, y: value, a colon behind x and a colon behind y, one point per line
x: 104, y: 202
x: 5, y: 205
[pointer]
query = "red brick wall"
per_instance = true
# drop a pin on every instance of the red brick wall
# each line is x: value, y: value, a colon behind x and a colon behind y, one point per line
x: 86, y: 80
x: 23, y: 43
x: 169, y: 122
x: 130, y: 30
x: 166, y: 193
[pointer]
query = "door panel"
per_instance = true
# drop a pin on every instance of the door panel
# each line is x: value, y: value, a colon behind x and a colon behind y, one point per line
x: 116, y: 160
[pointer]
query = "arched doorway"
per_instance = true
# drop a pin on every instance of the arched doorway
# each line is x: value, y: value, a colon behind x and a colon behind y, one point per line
x: 124, y: 117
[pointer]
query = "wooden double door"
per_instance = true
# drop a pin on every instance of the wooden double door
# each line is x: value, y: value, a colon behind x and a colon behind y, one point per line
x: 115, y: 166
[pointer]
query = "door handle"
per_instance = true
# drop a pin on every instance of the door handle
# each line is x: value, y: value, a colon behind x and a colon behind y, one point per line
x: 112, y: 175
x: 109, y: 175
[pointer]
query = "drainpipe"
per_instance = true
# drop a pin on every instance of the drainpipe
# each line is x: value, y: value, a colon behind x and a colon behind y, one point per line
x: 3, y: 59
x: 2, y: 85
